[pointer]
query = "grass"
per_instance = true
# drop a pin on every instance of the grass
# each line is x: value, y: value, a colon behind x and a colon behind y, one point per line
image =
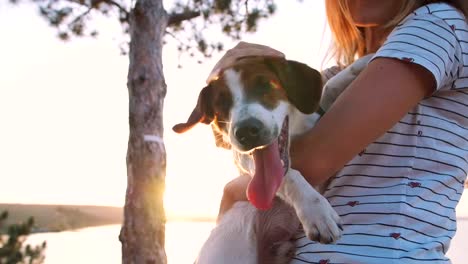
x: 55, y: 218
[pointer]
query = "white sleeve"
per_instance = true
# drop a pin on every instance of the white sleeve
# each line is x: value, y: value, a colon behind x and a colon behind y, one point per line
x: 429, y: 41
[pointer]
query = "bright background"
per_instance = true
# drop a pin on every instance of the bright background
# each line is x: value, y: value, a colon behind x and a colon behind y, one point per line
x: 64, y: 111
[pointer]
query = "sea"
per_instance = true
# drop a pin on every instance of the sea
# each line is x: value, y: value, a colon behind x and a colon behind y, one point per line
x: 100, y: 245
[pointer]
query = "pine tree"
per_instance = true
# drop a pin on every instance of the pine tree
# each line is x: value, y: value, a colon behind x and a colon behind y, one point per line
x: 146, y: 23
x: 13, y: 249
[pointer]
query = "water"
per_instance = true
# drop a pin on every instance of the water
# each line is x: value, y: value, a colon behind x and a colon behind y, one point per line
x: 100, y: 245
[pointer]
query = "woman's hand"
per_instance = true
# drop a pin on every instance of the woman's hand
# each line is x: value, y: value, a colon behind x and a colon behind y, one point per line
x: 234, y: 191
x: 243, y: 49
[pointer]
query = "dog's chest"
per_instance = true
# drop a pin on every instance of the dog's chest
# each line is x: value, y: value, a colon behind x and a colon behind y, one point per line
x: 244, y: 162
x: 300, y: 123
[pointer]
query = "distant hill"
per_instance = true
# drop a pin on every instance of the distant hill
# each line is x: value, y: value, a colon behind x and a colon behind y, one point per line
x: 54, y: 218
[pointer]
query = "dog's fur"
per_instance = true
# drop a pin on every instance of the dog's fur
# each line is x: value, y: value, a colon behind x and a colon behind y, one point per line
x: 247, y: 235
x: 268, y: 91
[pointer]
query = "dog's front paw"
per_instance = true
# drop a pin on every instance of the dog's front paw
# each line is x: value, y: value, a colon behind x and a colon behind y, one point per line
x: 320, y: 221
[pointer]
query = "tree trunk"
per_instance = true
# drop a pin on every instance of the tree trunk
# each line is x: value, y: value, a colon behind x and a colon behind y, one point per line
x: 143, y: 230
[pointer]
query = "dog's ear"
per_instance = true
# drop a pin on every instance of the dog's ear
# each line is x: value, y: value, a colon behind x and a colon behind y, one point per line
x: 202, y: 113
x: 219, y: 138
x: 303, y: 85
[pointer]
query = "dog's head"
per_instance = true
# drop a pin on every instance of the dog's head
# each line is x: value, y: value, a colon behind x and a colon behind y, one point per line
x: 248, y: 106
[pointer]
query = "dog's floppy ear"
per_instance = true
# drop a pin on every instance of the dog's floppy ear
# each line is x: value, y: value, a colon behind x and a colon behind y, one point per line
x: 202, y: 113
x: 303, y: 85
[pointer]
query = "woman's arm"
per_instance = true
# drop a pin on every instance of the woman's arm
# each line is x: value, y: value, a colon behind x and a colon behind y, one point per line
x: 379, y: 97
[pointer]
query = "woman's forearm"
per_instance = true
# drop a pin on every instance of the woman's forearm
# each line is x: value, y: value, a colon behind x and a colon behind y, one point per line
x: 383, y: 93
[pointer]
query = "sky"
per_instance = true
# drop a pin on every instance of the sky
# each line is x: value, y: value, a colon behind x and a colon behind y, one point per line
x: 64, y: 111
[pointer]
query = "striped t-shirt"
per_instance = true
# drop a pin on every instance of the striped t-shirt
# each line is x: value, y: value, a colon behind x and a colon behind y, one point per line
x: 397, y: 198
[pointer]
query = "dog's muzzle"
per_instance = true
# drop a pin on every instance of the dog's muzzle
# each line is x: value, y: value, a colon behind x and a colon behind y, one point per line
x: 251, y: 133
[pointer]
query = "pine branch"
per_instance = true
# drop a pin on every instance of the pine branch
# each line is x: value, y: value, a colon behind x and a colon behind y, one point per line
x: 78, y: 18
x: 95, y: 3
x: 121, y: 8
x: 177, y: 18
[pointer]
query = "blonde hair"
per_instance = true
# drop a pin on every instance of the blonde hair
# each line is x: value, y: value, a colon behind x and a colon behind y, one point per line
x: 348, y: 39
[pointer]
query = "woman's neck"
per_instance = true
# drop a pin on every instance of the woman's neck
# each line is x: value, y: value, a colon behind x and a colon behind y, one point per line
x: 374, y: 38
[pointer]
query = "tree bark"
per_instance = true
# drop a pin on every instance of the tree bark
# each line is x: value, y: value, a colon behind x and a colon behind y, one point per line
x: 143, y: 231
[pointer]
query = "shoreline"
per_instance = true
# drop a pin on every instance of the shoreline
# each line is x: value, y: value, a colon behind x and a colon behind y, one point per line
x: 173, y: 220
x: 53, y: 218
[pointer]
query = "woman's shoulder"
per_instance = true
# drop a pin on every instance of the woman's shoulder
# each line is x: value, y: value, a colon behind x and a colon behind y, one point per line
x: 445, y: 20
x: 434, y: 36
x: 442, y: 11
x: 441, y: 20
x: 444, y: 28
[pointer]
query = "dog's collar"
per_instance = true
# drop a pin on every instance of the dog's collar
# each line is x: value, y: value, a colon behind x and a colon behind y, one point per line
x: 320, y: 111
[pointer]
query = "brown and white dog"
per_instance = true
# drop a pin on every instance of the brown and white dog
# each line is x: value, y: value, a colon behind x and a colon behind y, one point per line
x: 255, y: 107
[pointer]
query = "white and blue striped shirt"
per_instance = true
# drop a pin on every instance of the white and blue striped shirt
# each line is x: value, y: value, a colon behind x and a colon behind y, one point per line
x: 397, y: 198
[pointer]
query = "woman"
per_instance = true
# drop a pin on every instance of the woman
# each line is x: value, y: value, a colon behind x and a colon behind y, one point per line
x: 396, y: 139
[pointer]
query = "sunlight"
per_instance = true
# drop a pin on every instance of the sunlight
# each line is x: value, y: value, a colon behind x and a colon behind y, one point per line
x: 196, y: 173
x: 67, y: 138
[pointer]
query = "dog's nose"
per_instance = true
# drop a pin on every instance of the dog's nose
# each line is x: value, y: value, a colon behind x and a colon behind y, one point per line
x: 248, y: 132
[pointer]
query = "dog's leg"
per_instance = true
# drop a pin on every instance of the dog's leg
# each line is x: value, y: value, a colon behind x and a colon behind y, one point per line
x: 337, y: 84
x: 319, y: 220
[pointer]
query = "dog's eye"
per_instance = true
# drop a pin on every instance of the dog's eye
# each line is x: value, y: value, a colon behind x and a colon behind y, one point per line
x: 268, y: 84
x: 262, y: 85
x: 275, y: 84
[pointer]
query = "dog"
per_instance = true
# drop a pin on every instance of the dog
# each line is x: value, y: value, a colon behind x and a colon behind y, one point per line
x: 255, y: 107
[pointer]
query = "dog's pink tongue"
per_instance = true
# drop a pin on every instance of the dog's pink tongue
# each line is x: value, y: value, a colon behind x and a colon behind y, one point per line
x: 269, y: 173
